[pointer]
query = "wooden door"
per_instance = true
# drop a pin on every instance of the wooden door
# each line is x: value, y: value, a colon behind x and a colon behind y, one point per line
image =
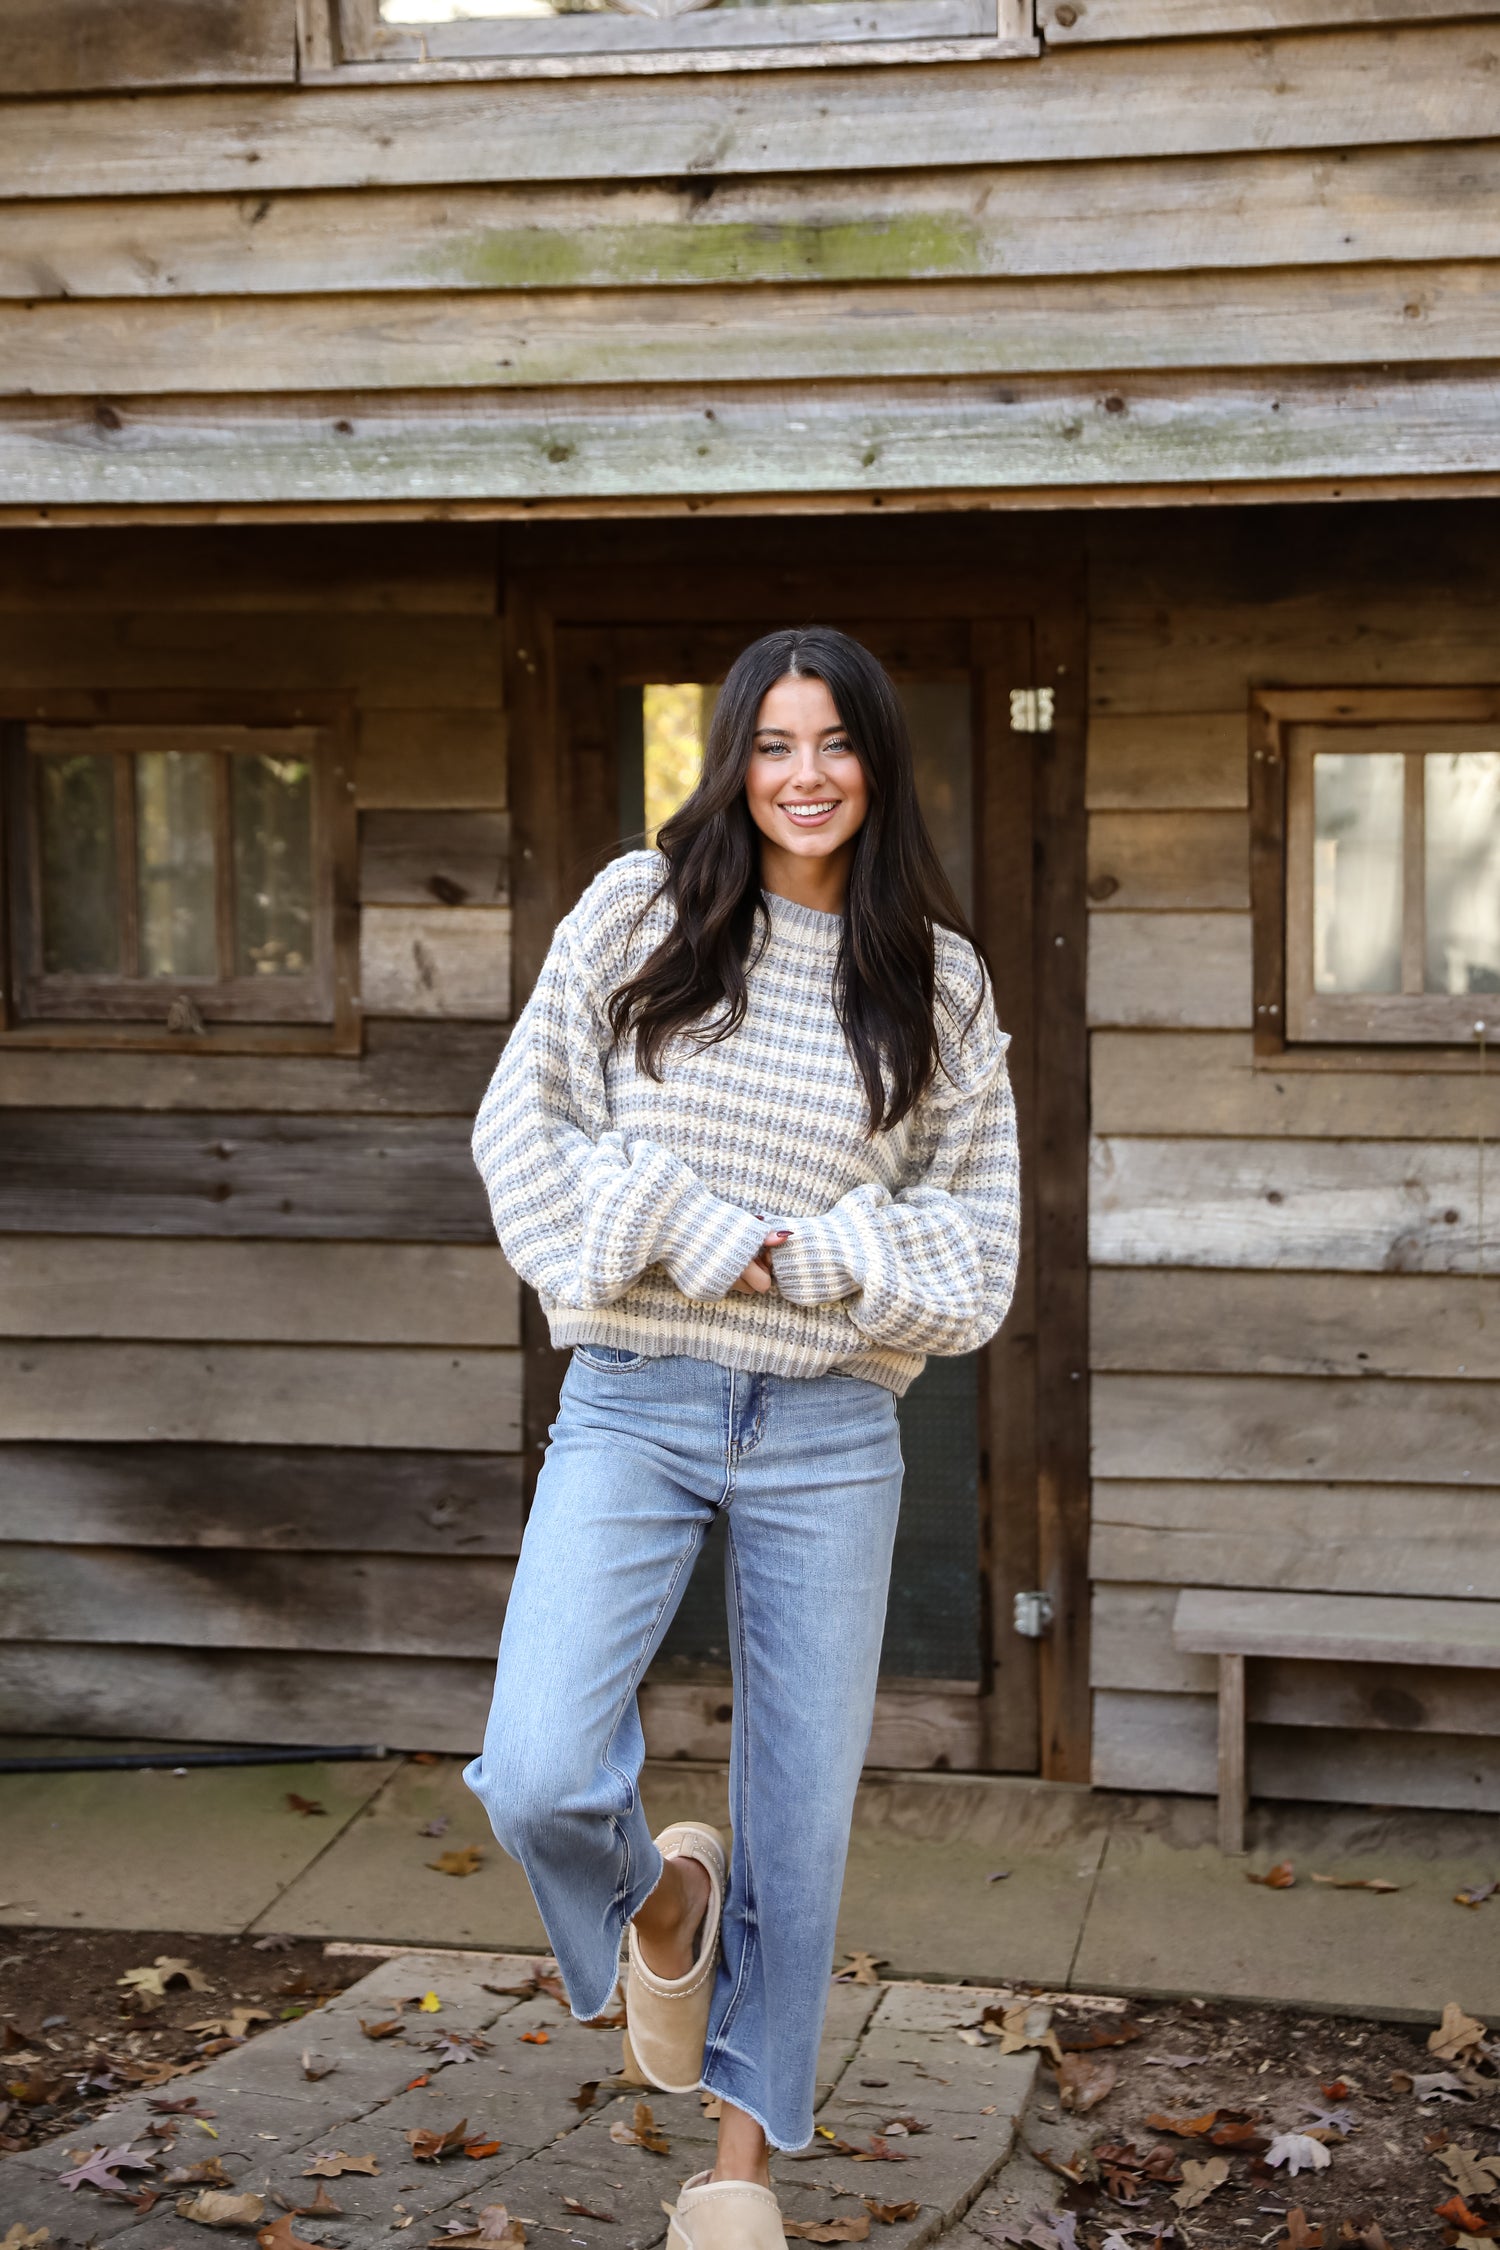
x: 996, y: 1495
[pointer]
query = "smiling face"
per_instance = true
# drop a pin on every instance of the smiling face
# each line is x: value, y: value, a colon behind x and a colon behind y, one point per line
x: 807, y: 792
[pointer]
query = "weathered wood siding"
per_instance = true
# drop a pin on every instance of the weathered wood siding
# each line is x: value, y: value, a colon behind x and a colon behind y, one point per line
x: 259, y: 1353
x: 1239, y: 246
x: 1295, y: 1315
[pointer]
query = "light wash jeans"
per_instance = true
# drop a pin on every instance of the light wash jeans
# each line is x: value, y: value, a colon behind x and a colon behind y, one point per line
x: 807, y: 1475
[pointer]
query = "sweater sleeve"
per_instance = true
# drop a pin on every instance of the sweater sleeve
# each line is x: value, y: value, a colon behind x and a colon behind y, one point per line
x: 581, y: 1211
x: 933, y: 1267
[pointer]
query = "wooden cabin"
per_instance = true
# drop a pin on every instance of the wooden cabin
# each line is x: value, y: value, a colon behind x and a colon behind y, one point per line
x: 398, y: 400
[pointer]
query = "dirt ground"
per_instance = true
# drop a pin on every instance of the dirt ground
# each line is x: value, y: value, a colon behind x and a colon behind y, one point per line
x: 1153, y: 2104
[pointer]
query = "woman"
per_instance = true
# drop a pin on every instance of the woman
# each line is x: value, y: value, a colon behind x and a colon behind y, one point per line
x: 753, y: 1143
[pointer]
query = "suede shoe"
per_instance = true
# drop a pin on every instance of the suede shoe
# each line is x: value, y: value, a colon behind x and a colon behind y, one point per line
x: 667, y: 2017
x: 715, y: 2214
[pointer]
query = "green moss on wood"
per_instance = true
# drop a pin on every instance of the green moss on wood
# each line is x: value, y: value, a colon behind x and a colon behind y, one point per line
x: 923, y: 247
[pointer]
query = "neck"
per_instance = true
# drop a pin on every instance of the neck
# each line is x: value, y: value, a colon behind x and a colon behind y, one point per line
x: 822, y: 883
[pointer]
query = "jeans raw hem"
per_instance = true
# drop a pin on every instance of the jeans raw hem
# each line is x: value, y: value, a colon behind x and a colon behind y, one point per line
x: 709, y: 2086
x: 639, y: 1897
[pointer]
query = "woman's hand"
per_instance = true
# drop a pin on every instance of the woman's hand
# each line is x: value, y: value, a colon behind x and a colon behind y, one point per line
x: 756, y: 1280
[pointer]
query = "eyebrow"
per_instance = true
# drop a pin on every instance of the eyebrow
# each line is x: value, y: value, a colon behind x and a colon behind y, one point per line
x: 789, y: 730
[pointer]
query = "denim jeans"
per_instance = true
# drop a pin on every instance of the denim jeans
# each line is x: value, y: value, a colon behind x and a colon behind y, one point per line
x: 807, y: 1476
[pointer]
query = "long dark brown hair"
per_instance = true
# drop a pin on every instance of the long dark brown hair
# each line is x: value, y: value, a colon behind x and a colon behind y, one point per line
x: 885, y: 985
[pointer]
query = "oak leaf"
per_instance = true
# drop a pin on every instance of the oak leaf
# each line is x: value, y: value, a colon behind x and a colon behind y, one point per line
x: 467, y: 1860
x: 212, y: 2207
x: 1301, y: 2236
x: 494, y: 2229
x: 860, y: 1968
x: 19, y: 2238
x: 1457, y: 2214
x: 165, y: 1971
x: 1186, y: 2128
x: 333, y: 2163
x: 282, y: 2235
x: 1083, y: 2081
x: 854, y: 2226
x: 890, y: 2214
x: 1470, y: 2173
x: 641, y: 2132
x: 1299, y: 2152
x: 1199, y: 2181
x: 102, y: 2169
x: 1457, y: 2035
x: 388, y: 2028
x: 428, y: 2143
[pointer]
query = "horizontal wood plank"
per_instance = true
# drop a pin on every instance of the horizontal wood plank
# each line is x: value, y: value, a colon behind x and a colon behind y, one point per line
x: 1144, y: 1741
x: 1282, y: 1428
x: 98, y: 46
x: 1179, y: 971
x: 1355, y: 1206
x: 1215, y: 1323
x: 1320, y: 1538
x: 415, y: 858
x: 408, y: 1067
x: 1143, y: 761
x: 1067, y: 23
x: 1184, y: 861
x: 517, y: 340
x: 228, y: 1695
x: 1343, y: 1628
x: 394, y: 662
x: 262, y: 1394
x: 295, y: 1499
x: 1155, y: 1083
x: 434, y: 1702
x: 322, y: 1178
x: 1324, y: 90
x: 916, y: 1728
x: 431, y: 760
x: 214, y: 1597
x: 1297, y: 207
x: 1029, y: 433
x: 257, y: 1292
x: 430, y: 569
x: 435, y: 960
x: 1131, y: 1646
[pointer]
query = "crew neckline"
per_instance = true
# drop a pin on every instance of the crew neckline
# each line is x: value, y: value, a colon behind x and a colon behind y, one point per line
x: 811, y: 920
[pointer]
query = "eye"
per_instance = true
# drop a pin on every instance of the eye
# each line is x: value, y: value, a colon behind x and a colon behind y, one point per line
x: 839, y: 748
x: 772, y: 749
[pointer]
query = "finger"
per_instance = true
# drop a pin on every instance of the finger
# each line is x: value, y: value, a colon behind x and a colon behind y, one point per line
x: 774, y: 1241
x: 756, y: 1278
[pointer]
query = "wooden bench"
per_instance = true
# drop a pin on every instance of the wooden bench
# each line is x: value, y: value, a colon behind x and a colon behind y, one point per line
x: 1344, y: 1628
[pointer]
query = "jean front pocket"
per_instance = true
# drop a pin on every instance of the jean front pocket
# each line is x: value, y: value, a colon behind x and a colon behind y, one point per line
x: 607, y: 1359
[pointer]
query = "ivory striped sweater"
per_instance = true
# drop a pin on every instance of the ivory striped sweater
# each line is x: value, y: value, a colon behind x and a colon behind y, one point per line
x: 631, y: 1205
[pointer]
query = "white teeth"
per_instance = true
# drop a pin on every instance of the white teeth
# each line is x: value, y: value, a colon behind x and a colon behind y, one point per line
x: 808, y: 812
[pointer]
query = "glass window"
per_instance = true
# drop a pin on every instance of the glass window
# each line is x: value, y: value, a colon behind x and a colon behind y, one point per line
x: 271, y: 822
x: 1462, y: 876
x: 80, y: 880
x: 174, y: 849
x: 1357, y: 872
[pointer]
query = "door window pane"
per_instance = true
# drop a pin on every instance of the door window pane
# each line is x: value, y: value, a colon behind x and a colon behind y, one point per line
x: 80, y: 873
x: 1357, y: 877
x: 675, y: 720
x: 271, y: 817
x: 1462, y: 790
x: 939, y: 714
x: 174, y: 841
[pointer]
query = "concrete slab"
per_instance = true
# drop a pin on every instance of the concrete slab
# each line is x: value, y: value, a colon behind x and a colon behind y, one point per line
x: 1169, y: 1915
x: 207, y: 1850
x: 379, y: 1883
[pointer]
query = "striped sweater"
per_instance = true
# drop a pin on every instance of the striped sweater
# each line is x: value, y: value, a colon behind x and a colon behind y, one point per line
x: 632, y: 1205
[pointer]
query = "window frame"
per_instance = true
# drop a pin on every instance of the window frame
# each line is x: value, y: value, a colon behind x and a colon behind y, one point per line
x: 230, y: 1015
x: 1290, y: 1018
x: 346, y: 39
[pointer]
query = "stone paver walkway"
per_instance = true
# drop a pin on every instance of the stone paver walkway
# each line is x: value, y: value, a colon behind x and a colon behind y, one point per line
x: 890, y: 2052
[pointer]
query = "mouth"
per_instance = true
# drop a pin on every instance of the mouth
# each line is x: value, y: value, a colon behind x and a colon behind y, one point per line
x: 812, y: 816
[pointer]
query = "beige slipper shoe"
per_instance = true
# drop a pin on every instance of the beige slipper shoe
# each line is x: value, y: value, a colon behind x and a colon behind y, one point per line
x: 667, y: 2017
x: 715, y: 2214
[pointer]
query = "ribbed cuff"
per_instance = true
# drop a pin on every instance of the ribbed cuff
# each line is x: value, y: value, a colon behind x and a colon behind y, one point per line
x: 705, y: 1243
x: 824, y: 1261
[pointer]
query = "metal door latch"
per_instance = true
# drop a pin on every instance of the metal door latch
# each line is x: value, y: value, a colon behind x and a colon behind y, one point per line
x: 1033, y: 1615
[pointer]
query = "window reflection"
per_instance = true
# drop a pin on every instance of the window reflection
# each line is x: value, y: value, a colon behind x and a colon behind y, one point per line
x: 1462, y: 792
x: 174, y: 840
x: 1357, y: 882
x: 80, y: 875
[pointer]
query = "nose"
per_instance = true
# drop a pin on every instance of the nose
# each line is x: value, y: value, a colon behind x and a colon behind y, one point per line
x: 807, y: 774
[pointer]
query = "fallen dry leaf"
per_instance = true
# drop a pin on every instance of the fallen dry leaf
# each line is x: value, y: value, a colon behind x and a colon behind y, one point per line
x: 1299, y: 2152
x: 1281, y: 1877
x: 209, y: 2173
x: 1241, y: 2133
x: 535, y: 2038
x: 236, y: 2025
x: 467, y: 1860
x: 854, y: 2226
x: 1457, y: 2035
x: 282, y: 2235
x: 102, y: 2169
x: 1356, y: 1883
x: 1186, y: 2128
x: 315, y: 2067
x: 162, y: 1973
x: 582, y: 2211
x: 18, y: 2238
x: 1433, y: 2085
x: 1300, y: 2236
x: 1468, y: 2171
x: 1476, y: 1894
x: 641, y: 2132
x: 860, y: 1968
x: 429, y: 2005
x: 212, y: 2207
x: 478, y: 2149
x: 890, y: 2214
x: 322, y: 2206
x: 307, y: 1806
x: 494, y: 2229
x: 428, y: 2142
x: 333, y: 2163
x: 1457, y: 2214
x: 1078, y: 2038
x: 388, y: 2028
x: 584, y: 2098
x: 1199, y: 2181
x: 1083, y: 2081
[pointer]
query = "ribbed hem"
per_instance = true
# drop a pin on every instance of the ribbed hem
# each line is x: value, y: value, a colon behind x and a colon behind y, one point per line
x: 702, y: 1338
